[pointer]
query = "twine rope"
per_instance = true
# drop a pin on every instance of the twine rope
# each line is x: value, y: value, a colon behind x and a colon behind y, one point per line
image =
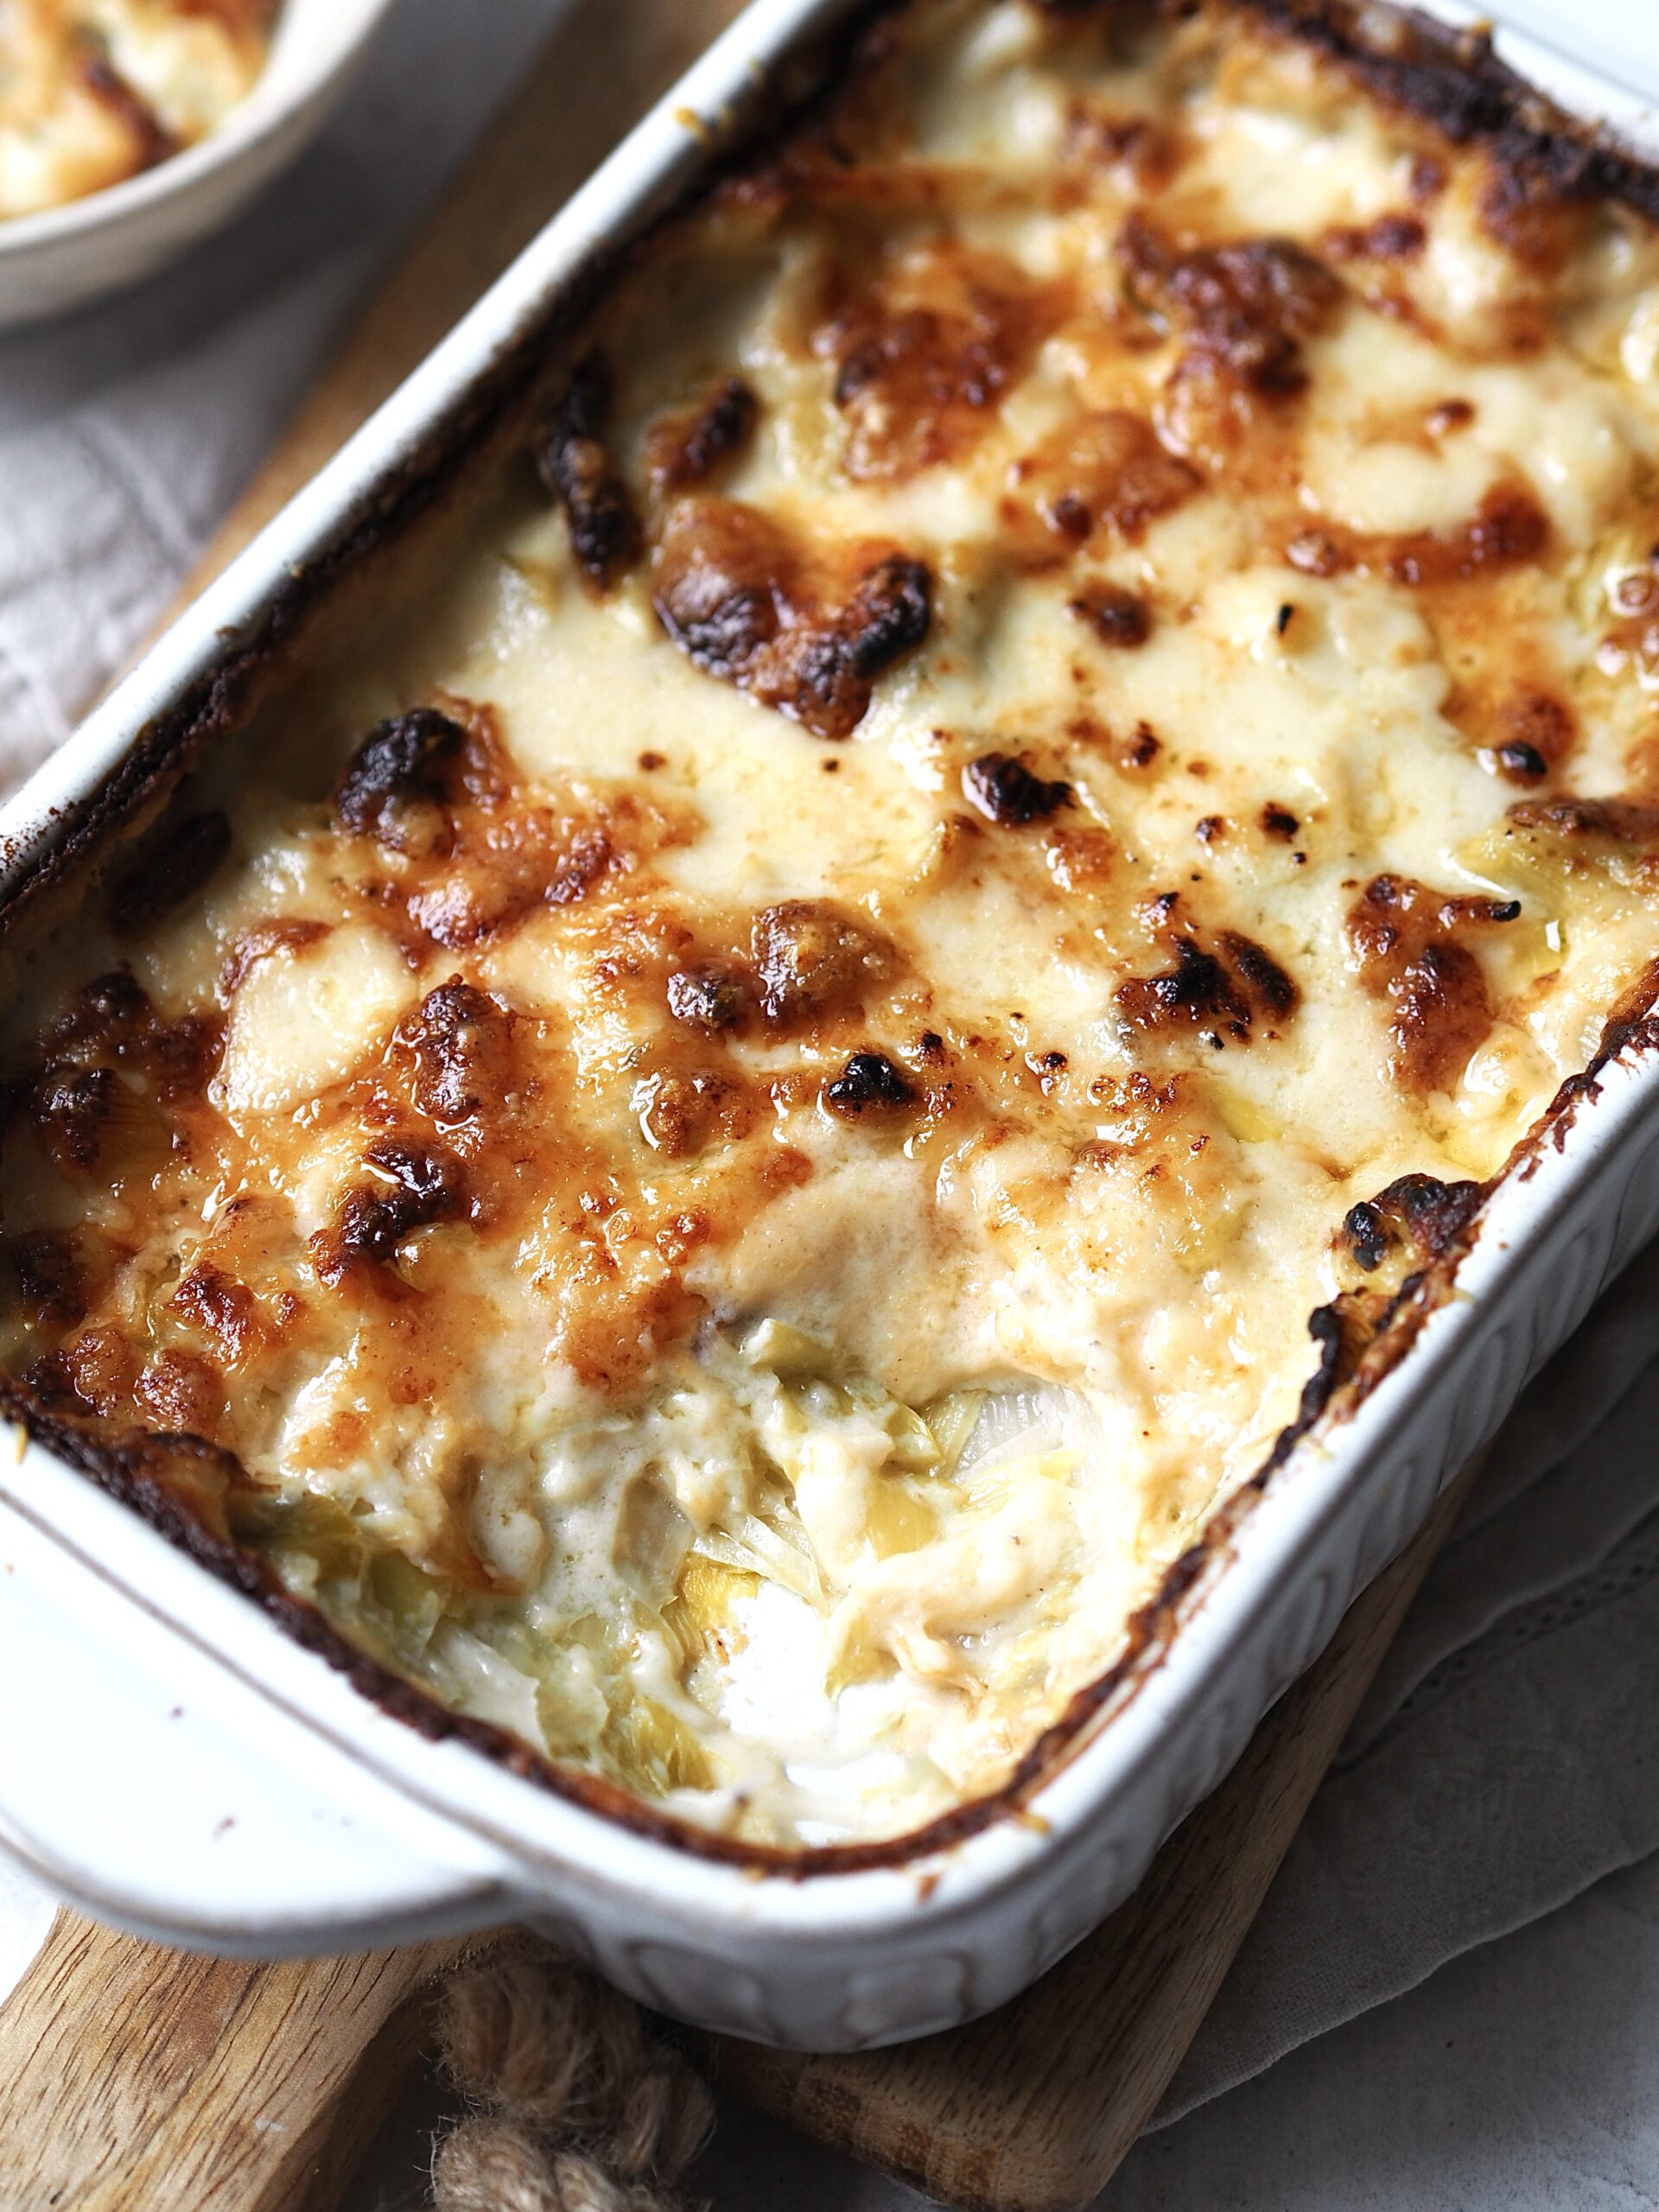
x: 574, y: 2106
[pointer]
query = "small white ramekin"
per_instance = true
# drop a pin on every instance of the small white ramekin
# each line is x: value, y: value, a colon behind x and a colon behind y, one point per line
x: 64, y: 257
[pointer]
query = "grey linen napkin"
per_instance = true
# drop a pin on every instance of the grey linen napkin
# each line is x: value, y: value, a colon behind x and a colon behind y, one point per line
x: 1507, y: 1754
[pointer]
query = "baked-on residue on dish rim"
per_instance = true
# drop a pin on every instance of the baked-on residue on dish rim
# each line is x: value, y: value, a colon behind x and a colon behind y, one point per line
x: 1425, y: 1297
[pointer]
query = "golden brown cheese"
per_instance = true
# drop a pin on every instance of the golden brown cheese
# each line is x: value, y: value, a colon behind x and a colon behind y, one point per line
x: 92, y: 92
x: 738, y: 1144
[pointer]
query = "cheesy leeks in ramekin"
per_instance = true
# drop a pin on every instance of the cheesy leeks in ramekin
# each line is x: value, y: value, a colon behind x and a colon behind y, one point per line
x: 92, y: 92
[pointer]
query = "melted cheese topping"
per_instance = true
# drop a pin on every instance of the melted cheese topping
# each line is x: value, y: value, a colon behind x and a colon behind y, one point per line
x: 740, y: 1138
x: 94, y: 91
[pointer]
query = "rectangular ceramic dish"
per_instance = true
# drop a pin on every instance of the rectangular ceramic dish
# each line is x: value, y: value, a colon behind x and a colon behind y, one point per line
x: 172, y: 1759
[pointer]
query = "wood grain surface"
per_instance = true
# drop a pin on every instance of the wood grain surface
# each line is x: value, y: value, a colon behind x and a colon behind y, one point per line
x: 143, y: 2080
x: 137, y: 2077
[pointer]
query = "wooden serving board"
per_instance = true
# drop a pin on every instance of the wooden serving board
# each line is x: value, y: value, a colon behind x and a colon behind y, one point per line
x: 135, y: 2076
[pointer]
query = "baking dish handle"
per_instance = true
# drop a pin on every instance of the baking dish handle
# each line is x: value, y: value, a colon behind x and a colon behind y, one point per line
x: 157, y: 1790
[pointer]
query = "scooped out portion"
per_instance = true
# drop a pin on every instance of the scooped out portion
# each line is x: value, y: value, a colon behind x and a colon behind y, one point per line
x: 776, y: 1088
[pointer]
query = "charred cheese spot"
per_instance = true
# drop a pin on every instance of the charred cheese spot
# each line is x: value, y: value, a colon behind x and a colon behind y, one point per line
x: 222, y: 1310
x: 460, y: 1049
x: 605, y: 531
x: 1081, y: 861
x: 1005, y: 789
x: 869, y: 1084
x: 1418, y: 1212
x: 510, y: 853
x: 1109, y: 472
x: 1409, y: 944
x: 922, y: 357
x: 1142, y: 748
x: 407, y: 1186
x: 1397, y: 236
x: 1611, y: 821
x: 687, y: 447
x: 1144, y: 152
x: 105, y: 1014
x: 1224, y: 989
x: 684, y: 1110
x: 1523, y: 206
x: 49, y: 1277
x: 813, y: 958
x: 743, y: 601
x: 1529, y: 735
x: 101, y: 1370
x: 173, y: 867
x: 1508, y: 529
x: 709, y: 996
x: 1244, y: 309
x: 181, y: 1393
x: 72, y: 1109
x: 393, y: 786
x: 1118, y: 618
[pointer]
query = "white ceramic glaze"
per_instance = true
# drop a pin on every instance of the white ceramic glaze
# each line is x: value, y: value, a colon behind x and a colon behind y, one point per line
x: 66, y: 256
x: 172, y: 1761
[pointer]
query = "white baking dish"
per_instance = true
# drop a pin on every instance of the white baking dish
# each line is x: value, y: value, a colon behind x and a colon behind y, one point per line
x: 172, y: 1760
